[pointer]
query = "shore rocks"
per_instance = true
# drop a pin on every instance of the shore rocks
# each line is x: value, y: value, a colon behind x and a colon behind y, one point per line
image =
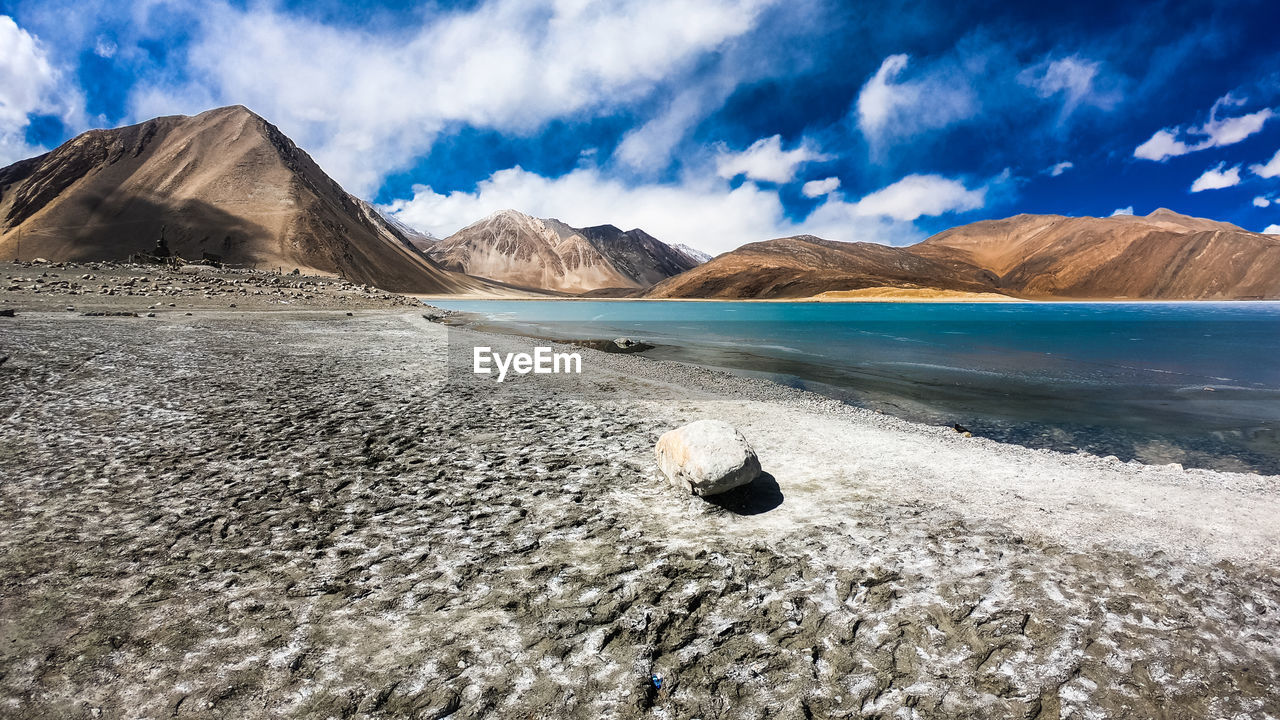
x: 707, y: 457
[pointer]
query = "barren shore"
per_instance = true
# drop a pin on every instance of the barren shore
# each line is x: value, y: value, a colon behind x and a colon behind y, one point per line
x: 272, y: 511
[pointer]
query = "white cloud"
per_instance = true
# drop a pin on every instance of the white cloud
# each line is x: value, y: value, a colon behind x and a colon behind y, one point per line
x: 1261, y: 201
x: 1215, y: 132
x: 700, y: 211
x: 818, y: 188
x: 889, y: 108
x: 1122, y: 211
x: 367, y: 104
x: 1074, y: 79
x: 1216, y: 178
x: 766, y: 160
x: 704, y: 213
x: 1163, y: 144
x: 1060, y: 168
x: 1270, y: 169
x: 105, y: 47
x: 916, y: 195
x: 1272, y: 230
x: 29, y: 84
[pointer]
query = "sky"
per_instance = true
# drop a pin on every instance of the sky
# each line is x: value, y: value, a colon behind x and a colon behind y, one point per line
x: 712, y: 123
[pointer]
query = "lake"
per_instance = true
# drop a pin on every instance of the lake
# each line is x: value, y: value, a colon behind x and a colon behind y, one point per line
x: 1193, y: 383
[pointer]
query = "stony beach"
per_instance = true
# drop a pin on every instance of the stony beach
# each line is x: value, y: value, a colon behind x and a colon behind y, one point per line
x: 298, y: 507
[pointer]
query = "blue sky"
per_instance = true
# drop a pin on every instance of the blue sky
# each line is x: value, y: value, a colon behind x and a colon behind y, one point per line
x: 713, y: 123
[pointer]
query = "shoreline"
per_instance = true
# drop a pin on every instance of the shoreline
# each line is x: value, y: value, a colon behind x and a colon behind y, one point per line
x: 426, y: 298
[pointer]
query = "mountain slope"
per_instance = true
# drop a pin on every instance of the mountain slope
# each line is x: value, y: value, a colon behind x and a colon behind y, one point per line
x: 515, y: 248
x: 224, y: 182
x: 804, y: 266
x: 637, y: 254
x: 1163, y: 255
x: 694, y: 254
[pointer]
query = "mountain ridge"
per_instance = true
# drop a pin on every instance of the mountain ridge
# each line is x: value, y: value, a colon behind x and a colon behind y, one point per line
x: 511, y: 246
x: 1164, y: 255
x: 223, y: 183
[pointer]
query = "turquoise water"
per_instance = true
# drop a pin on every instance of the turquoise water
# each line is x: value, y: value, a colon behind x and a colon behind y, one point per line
x: 1196, y: 383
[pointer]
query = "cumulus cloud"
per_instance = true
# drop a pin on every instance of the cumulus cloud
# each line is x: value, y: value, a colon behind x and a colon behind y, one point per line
x: 704, y: 212
x: 1268, y: 170
x: 1074, y: 79
x: 766, y: 160
x: 889, y: 107
x: 917, y: 195
x: 818, y: 188
x: 1162, y: 145
x: 29, y: 85
x: 1216, y: 178
x: 1122, y: 211
x: 701, y: 211
x: 1272, y: 230
x: 1261, y: 201
x: 1058, y: 169
x: 1215, y: 132
x: 365, y: 104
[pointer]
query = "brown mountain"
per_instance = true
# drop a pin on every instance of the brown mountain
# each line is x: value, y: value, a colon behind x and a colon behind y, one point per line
x: 514, y: 248
x: 224, y: 182
x: 804, y: 266
x: 1164, y: 255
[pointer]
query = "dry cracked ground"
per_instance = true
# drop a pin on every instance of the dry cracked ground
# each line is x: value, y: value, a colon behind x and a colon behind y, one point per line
x: 252, y: 515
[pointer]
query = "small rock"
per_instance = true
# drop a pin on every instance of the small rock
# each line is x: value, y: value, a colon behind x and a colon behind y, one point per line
x: 960, y: 428
x: 624, y: 342
x: 968, y: 434
x: 707, y: 457
x: 151, y: 314
x: 7, y: 312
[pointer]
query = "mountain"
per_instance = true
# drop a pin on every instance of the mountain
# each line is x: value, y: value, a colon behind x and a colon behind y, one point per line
x: 514, y: 248
x: 637, y: 254
x: 805, y: 266
x: 224, y: 182
x: 694, y: 254
x: 1164, y: 255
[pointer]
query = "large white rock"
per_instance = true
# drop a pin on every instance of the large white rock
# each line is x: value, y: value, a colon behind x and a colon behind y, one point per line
x: 707, y: 457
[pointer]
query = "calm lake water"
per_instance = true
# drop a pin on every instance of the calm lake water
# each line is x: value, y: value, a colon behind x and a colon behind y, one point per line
x: 1195, y: 383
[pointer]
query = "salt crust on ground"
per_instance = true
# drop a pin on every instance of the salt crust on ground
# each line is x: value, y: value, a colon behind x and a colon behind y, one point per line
x: 301, y: 514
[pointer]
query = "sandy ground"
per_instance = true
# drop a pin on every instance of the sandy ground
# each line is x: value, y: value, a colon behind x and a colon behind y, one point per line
x: 308, y: 514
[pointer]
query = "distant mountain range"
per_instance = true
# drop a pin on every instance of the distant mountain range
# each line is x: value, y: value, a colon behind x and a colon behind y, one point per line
x: 229, y: 185
x: 514, y: 248
x: 1164, y: 255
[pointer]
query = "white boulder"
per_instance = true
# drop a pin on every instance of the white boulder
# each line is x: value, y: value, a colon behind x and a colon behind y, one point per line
x: 707, y: 457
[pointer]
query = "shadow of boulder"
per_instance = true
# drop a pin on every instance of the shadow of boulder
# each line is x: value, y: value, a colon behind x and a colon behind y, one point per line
x: 758, y: 496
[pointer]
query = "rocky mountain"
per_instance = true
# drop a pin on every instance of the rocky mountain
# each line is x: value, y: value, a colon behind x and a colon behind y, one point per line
x: 515, y: 248
x: 637, y: 254
x: 694, y: 254
x: 805, y: 266
x: 1164, y: 255
x: 224, y: 183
